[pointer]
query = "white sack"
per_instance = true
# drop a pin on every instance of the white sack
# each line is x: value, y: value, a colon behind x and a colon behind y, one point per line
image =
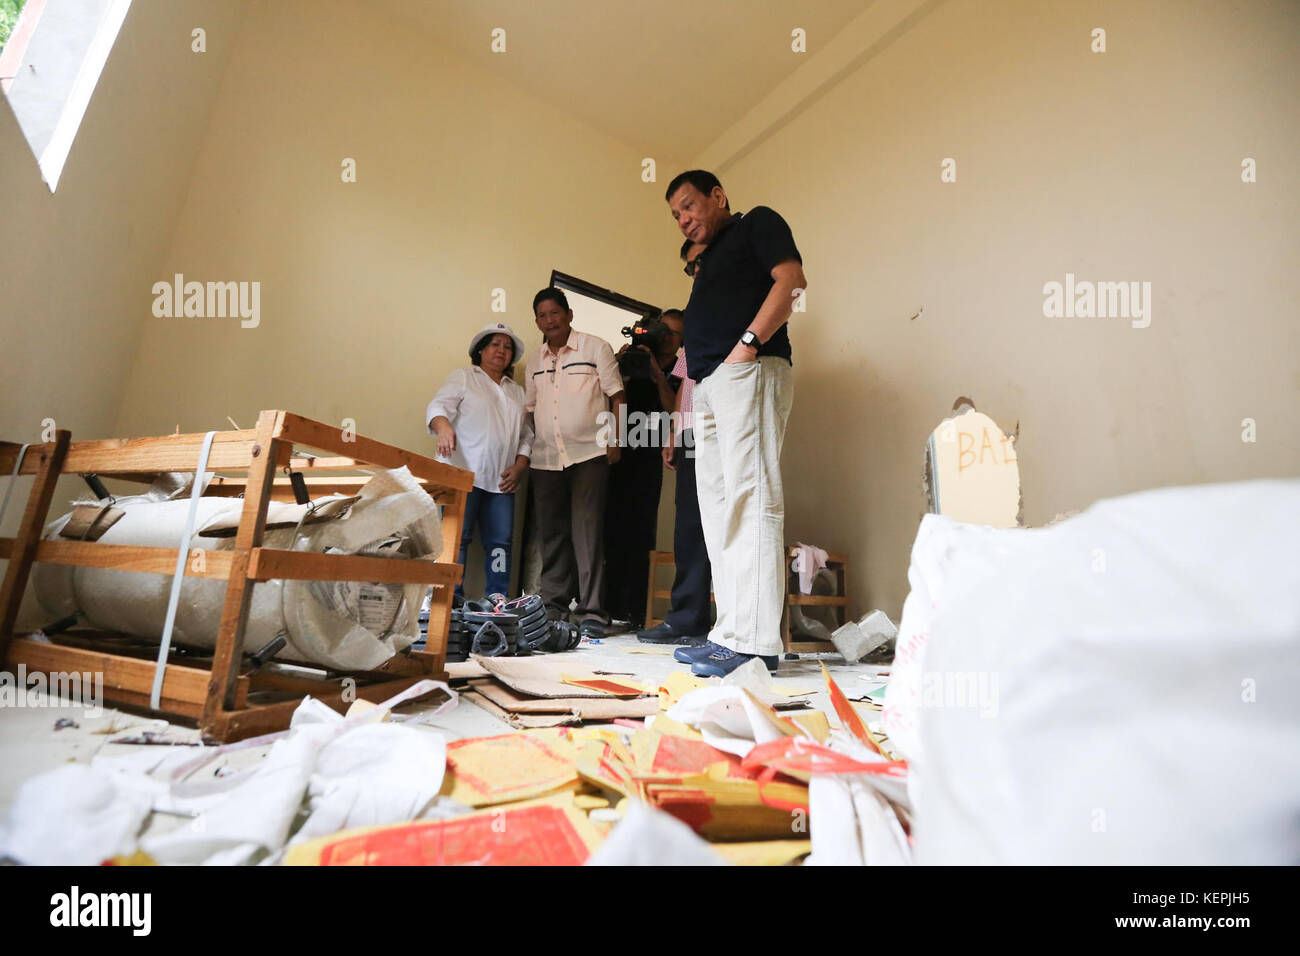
x: 1145, y: 657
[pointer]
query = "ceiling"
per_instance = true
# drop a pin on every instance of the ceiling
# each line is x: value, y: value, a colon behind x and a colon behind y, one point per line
x: 666, y: 77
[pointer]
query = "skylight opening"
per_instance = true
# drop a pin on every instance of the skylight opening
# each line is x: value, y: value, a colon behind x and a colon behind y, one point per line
x: 49, y: 67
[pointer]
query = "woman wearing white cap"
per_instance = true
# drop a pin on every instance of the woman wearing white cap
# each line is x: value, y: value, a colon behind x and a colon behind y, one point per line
x: 479, y: 420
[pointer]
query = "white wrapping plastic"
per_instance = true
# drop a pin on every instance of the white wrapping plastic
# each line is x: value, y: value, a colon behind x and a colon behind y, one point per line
x: 341, y: 625
x: 1117, y: 688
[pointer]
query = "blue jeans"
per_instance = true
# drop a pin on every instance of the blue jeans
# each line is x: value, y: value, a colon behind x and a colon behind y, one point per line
x: 494, y: 514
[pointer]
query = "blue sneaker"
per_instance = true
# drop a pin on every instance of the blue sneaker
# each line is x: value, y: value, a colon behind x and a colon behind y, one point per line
x: 689, y: 655
x: 723, y: 660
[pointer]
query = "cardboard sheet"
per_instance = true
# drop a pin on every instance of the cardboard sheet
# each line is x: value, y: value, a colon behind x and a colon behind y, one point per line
x: 540, y: 676
x: 465, y: 670
x: 521, y: 721
x: 585, y: 707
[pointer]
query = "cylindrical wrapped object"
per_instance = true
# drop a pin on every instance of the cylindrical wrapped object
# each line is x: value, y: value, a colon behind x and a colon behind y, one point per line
x: 336, y: 624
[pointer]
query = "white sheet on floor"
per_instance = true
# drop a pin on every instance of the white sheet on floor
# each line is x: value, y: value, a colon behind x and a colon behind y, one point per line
x: 340, y: 772
x: 1116, y: 688
x: 74, y: 815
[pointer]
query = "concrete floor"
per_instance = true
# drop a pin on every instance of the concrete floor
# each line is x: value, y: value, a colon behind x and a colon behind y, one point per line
x: 30, y: 745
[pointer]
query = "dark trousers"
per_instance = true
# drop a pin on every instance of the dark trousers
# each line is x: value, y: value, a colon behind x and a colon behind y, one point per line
x: 494, y: 514
x: 690, y: 602
x: 631, y: 527
x: 570, y: 521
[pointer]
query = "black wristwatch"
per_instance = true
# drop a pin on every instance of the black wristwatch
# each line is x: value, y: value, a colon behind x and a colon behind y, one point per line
x: 751, y: 340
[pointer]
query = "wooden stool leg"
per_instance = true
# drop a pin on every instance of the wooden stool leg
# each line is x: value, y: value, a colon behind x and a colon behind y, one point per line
x: 29, y: 534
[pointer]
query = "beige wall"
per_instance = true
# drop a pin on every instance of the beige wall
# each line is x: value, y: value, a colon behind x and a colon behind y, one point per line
x: 370, y: 290
x: 1115, y: 166
x: 75, y: 273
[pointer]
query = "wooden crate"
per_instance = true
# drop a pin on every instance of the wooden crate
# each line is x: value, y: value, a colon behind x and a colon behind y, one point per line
x: 216, y: 693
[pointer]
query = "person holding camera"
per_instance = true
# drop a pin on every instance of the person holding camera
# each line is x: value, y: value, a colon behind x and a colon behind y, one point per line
x: 635, y: 482
x: 478, y: 418
x: 687, y: 620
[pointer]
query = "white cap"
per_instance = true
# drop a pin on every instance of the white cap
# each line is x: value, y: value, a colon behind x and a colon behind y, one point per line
x: 497, y: 328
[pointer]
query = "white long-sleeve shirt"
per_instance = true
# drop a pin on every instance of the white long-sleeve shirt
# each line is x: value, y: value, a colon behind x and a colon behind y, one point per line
x: 491, y: 427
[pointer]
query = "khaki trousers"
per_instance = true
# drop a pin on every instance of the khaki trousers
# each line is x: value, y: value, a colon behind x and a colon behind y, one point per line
x: 741, y: 412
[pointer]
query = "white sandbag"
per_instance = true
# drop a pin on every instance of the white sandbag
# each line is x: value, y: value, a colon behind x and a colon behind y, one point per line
x: 947, y: 555
x: 1144, y: 657
x: 342, y: 625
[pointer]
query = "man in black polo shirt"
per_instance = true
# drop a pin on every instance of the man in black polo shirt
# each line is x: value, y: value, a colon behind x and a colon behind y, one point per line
x: 738, y: 351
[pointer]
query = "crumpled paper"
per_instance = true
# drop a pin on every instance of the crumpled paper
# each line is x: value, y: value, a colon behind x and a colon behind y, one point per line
x: 340, y: 772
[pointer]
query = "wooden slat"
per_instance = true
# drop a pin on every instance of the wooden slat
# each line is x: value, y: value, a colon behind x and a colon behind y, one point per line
x: 181, y: 683
x: 439, y: 626
x: 453, y: 520
x: 808, y: 647
x: 304, y: 431
x: 239, y: 588
x: 268, y: 563
x: 124, y: 557
x: 113, y: 456
x: 9, y: 455
x: 142, y: 459
x: 142, y: 700
x: 292, y: 683
x: 48, y: 460
x: 226, y: 486
x: 414, y: 664
x: 818, y: 600
x: 231, y: 725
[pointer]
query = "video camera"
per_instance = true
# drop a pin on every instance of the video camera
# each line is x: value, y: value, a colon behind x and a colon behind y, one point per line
x: 650, y: 332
